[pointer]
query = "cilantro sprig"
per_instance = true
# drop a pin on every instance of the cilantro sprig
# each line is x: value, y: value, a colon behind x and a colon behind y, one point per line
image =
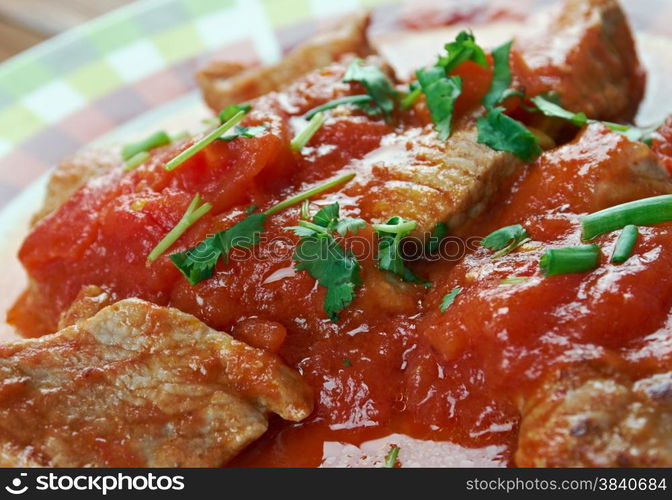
x: 505, y: 240
x: 246, y: 132
x: 377, y: 85
x: 463, y: 48
x: 449, y: 298
x: 389, y: 256
x: 320, y: 254
x: 496, y: 129
x: 441, y: 92
x: 546, y: 105
x: 198, y: 263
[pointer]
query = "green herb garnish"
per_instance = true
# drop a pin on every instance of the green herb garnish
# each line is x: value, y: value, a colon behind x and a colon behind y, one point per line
x: 198, y: 263
x: 549, y: 108
x: 155, y: 140
x: 577, y: 259
x: 247, y: 132
x: 303, y: 137
x: 136, y: 160
x: 644, y: 212
x: 502, y: 133
x: 505, y: 239
x: 414, y: 93
x: 358, y: 100
x: 380, y: 89
x: 625, y: 244
x: 194, y: 212
x: 324, y: 259
x: 436, y: 237
x: 389, y: 256
x: 501, y: 77
x: 441, y: 92
x: 206, y: 141
x: 449, y: 298
x: 392, y: 456
x: 232, y: 110
x: 463, y: 48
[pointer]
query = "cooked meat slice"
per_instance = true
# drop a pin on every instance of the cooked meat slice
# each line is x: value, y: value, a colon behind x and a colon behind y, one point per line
x: 598, y: 169
x: 583, y: 418
x: 420, y: 177
x: 72, y: 173
x: 140, y: 385
x: 584, y: 50
x: 224, y: 83
x: 88, y: 302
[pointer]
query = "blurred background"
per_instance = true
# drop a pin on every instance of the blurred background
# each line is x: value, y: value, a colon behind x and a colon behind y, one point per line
x: 24, y: 23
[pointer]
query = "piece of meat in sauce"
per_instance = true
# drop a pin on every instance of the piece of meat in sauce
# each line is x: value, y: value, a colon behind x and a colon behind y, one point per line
x: 520, y: 330
x: 583, y: 50
x: 224, y: 83
x: 139, y: 385
x: 585, y: 416
x: 594, y: 69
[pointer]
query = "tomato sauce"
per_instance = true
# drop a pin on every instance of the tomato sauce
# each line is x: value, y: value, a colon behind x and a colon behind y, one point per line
x: 392, y: 363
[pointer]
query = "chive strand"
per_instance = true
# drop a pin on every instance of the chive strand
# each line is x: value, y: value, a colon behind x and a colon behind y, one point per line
x: 191, y: 215
x: 409, y: 99
x: 406, y: 227
x: 625, y: 244
x: 303, y: 137
x: 155, y: 140
x: 205, y: 141
x: 351, y: 99
x: 136, y: 160
x: 568, y: 260
x: 644, y: 212
x: 296, y: 199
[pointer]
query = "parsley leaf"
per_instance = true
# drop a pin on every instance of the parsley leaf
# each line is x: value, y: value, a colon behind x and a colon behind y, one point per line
x: 377, y: 85
x: 441, y: 92
x: 324, y: 259
x: 501, y: 78
x: 248, y: 132
x: 464, y: 48
x: 449, y: 298
x: 389, y: 256
x: 544, y: 104
x: 504, y: 240
x: 198, y: 263
x: 436, y: 237
x: 502, y: 133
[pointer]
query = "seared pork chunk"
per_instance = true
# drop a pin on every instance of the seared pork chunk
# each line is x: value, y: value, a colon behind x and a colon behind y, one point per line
x: 583, y: 50
x: 224, y: 83
x: 420, y: 177
x: 139, y: 385
x: 580, y: 417
x: 73, y: 172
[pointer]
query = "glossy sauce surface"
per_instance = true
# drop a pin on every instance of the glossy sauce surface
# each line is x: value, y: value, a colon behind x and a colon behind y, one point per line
x: 393, y: 363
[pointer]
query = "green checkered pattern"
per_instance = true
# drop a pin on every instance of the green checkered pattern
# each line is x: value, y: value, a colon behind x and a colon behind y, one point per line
x: 46, y: 84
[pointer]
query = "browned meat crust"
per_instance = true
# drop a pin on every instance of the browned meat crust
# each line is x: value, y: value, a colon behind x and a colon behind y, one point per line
x: 72, y: 173
x: 225, y: 83
x: 420, y: 177
x: 585, y: 51
x: 139, y: 385
x: 586, y: 417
